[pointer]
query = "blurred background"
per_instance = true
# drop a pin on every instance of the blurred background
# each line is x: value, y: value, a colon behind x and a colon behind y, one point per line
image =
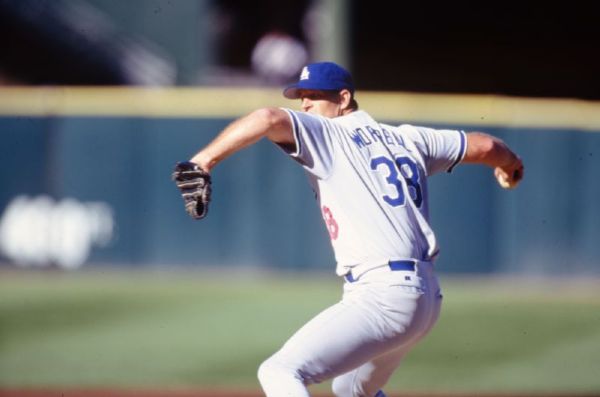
x: 100, y: 98
x: 501, y: 48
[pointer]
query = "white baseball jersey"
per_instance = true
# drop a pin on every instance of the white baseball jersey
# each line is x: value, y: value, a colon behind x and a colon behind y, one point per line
x: 370, y: 180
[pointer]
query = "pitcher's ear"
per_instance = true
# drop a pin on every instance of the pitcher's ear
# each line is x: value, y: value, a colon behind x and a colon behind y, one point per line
x: 345, y: 99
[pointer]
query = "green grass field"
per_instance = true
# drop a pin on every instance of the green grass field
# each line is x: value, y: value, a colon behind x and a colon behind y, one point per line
x: 193, y: 329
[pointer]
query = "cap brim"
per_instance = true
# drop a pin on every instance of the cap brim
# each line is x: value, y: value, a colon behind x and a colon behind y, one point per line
x: 291, y: 92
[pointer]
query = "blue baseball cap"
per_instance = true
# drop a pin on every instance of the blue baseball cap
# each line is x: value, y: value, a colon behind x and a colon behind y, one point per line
x: 323, y: 76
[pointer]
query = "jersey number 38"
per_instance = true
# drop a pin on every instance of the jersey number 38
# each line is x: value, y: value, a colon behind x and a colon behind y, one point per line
x: 403, y: 168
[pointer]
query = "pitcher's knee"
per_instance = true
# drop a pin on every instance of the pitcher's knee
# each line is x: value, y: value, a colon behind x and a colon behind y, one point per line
x: 272, y: 374
x: 266, y: 371
x: 342, y: 386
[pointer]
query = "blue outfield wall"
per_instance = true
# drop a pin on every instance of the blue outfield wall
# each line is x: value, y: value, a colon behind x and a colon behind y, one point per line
x: 263, y: 212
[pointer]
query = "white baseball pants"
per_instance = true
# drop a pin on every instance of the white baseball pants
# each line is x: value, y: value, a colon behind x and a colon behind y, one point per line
x: 359, y: 341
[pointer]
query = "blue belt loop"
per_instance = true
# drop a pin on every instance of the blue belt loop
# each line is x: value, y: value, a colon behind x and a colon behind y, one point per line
x: 403, y: 265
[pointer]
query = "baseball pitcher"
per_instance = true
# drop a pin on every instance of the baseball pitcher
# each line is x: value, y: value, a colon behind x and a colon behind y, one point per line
x: 370, y: 180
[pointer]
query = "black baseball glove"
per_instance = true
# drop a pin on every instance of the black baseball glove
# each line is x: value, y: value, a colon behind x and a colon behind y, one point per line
x: 195, y: 186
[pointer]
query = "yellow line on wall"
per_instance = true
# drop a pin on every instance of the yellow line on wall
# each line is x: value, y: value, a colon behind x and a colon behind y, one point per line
x: 484, y: 110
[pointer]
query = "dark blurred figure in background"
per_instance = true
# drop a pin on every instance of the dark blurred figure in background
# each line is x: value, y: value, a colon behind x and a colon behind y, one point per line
x: 258, y: 42
x: 70, y: 42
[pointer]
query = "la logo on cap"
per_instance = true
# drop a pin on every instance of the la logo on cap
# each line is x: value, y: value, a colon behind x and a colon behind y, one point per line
x: 305, y: 74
